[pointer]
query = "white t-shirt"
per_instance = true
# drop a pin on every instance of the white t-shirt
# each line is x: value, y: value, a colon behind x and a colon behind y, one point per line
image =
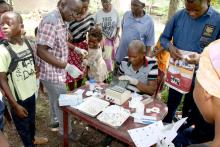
x: 24, y: 78
x: 109, y: 22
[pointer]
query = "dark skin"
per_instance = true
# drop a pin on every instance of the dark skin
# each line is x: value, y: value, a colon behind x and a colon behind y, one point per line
x: 107, y: 7
x: 12, y: 27
x: 195, y: 9
x: 137, y: 9
x: 3, y: 140
x: 137, y: 58
x: 69, y: 9
x: 84, y: 13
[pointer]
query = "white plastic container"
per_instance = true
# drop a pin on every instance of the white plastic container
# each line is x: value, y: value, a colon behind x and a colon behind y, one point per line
x: 140, y: 108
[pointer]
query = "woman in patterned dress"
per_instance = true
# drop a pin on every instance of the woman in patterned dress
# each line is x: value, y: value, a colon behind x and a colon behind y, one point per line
x: 78, y: 30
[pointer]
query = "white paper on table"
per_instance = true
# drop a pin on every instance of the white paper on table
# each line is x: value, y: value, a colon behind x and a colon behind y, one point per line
x: 146, y: 136
x: 167, y: 136
x: 79, y: 91
x: 155, y: 133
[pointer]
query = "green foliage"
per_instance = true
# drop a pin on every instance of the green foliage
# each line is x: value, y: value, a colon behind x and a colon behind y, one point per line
x: 216, y: 4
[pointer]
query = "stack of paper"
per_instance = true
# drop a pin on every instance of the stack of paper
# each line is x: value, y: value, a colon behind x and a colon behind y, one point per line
x: 72, y: 99
x: 155, y: 133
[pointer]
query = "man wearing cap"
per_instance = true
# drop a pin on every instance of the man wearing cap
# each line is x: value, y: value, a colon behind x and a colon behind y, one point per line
x: 192, y: 29
x: 207, y: 93
x: 136, y: 25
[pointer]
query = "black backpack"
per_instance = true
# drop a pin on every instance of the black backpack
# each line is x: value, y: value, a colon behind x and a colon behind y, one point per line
x: 15, y: 59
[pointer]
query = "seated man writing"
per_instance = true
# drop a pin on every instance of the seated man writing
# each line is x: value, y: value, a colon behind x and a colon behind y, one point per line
x: 139, y: 70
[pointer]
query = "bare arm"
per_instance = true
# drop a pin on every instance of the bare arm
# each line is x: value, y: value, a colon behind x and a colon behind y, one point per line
x: 20, y: 111
x: 70, y: 46
x: 42, y: 52
x: 3, y: 140
x: 148, y: 88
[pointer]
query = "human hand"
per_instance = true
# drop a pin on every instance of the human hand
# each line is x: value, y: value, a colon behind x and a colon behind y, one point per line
x: 131, y: 80
x: 193, y: 58
x: 20, y: 111
x: 175, y: 53
x: 80, y: 51
x: 37, y: 71
x: 73, y: 70
x: 85, y: 62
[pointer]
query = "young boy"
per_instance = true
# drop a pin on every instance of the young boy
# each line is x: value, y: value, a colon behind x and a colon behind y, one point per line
x: 18, y: 83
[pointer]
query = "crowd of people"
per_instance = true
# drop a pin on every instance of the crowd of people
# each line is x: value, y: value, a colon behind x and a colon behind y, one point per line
x: 72, y: 45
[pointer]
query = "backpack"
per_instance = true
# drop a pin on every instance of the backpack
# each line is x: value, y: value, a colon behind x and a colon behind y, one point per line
x: 15, y: 59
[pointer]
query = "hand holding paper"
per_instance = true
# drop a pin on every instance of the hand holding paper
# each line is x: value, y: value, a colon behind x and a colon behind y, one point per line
x: 193, y: 58
x: 73, y: 70
x: 80, y: 51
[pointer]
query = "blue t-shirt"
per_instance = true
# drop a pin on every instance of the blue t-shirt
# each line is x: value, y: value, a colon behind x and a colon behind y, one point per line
x: 135, y: 29
x: 191, y: 34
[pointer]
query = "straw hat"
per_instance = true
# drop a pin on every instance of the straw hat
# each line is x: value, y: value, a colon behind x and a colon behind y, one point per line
x: 208, y: 74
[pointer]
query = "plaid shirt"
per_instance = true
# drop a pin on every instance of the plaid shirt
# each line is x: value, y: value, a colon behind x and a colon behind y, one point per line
x: 52, y: 32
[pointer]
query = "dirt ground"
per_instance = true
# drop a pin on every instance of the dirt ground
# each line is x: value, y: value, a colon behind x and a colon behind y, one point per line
x: 89, y: 137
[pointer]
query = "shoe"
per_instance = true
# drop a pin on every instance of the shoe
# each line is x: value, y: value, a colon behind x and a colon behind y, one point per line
x: 54, y: 127
x: 40, y: 140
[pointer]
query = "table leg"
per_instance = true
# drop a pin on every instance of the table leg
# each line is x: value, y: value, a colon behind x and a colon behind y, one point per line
x: 65, y: 128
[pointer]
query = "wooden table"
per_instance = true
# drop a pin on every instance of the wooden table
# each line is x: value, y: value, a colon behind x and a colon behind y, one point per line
x: 118, y: 133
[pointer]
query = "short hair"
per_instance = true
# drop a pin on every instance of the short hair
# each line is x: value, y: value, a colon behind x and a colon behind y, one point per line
x: 3, y: 2
x: 138, y: 46
x: 85, y: 1
x: 192, y: 1
x: 104, y: 0
x: 96, y: 33
x: 16, y: 15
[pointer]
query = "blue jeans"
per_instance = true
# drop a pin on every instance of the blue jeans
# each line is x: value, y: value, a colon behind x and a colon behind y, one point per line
x: 26, y: 126
x: 2, y: 107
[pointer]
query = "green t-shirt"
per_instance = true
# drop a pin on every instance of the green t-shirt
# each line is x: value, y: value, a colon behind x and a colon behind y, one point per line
x: 24, y: 78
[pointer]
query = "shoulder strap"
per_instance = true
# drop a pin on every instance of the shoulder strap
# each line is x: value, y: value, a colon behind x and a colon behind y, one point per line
x: 14, y: 58
x: 13, y: 64
x: 30, y: 48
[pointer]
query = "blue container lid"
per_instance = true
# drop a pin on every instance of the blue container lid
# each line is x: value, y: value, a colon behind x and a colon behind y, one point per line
x: 92, y: 81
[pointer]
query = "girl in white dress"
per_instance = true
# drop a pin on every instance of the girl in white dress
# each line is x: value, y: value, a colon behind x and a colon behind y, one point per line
x: 97, y: 68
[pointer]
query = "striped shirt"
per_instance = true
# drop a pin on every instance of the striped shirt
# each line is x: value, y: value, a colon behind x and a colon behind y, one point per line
x: 147, y: 72
x: 52, y: 32
x: 78, y: 29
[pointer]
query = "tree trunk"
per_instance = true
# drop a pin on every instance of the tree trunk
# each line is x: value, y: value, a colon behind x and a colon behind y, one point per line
x: 172, y: 8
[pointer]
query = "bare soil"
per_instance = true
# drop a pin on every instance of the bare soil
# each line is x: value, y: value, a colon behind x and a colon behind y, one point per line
x: 89, y: 137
